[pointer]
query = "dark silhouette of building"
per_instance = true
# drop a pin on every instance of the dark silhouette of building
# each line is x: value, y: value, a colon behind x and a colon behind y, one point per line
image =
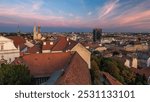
x: 97, y: 33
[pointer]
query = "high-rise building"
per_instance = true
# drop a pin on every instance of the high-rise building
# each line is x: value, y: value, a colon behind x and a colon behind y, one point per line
x: 97, y: 33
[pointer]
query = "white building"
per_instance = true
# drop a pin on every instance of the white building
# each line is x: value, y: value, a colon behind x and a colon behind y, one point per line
x: 8, y: 51
x: 148, y: 62
x: 83, y: 52
x: 131, y: 63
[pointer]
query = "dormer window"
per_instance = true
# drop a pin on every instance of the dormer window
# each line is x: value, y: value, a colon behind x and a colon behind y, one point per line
x: 44, y: 43
x: 51, y: 43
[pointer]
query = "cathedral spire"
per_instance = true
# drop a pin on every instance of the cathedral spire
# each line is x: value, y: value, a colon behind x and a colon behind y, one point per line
x: 18, y: 29
x: 39, y: 29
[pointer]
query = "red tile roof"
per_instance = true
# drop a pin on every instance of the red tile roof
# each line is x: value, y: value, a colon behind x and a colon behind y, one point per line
x: 59, y: 44
x: 43, y: 65
x: 33, y: 50
x: 143, y: 71
x: 111, y: 79
x: 76, y: 73
x: 71, y: 44
x: 18, y: 40
x: 48, y: 46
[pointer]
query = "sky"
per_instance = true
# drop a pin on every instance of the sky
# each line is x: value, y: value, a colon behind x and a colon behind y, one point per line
x: 75, y: 15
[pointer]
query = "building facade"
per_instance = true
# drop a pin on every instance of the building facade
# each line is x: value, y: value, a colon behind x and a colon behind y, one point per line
x: 8, y: 51
x: 97, y: 33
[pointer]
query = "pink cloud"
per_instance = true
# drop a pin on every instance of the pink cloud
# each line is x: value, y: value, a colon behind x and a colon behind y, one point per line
x: 111, y: 15
x: 29, y: 17
x: 115, y: 17
x: 108, y: 8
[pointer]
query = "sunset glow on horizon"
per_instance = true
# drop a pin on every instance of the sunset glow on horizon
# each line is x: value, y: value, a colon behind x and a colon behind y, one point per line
x: 112, y: 15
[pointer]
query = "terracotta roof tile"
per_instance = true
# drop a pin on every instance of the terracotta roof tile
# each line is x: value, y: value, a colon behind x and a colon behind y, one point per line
x: 111, y: 79
x: 48, y: 46
x: 71, y: 44
x: 43, y: 65
x: 76, y: 73
x: 17, y: 40
x: 61, y: 44
x: 33, y: 49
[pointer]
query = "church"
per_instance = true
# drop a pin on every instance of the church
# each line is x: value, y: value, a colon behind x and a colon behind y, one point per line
x: 8, y: 51
x: 37, y: 33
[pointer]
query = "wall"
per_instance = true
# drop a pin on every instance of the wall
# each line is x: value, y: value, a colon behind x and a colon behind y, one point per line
x: 84, y: 53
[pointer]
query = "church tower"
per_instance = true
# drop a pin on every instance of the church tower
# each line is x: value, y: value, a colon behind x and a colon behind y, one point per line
x: 37, y: 33
x: 39, y: 29
x: 34, y: 33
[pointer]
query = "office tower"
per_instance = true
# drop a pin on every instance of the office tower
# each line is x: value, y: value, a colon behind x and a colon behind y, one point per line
x: 97, y: 33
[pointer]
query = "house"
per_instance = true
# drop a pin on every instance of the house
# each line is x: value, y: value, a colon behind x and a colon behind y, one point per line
x: 128, y: 61
x: 57, y: 68
x: 18, y: 42
x: 137, y: 47
x: 64, y: 44
x: 131, y: 62
x: 101, y: 49
x: 8, y: 50
x: 83, y: 52
x: 59, y: 44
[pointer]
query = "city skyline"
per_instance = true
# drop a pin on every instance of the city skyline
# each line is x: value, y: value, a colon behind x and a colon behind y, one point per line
x: 75, y: 15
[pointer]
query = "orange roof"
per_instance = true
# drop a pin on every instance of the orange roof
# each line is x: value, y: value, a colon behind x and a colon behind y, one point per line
x: 44, y: 65
x: 18, y: 40
x: 33, y: 49
x: 61, y: 44
x: 111, y: 79
x: 48, y: 46
x: 76, y: 73
x: 71, y: 44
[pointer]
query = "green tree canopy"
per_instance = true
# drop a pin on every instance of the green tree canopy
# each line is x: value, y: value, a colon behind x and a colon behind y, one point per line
x: 14, y: 75
x: 117, y: 69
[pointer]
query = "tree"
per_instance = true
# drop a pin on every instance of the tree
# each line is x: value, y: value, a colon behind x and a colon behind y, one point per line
x: 14, y: 75
x: 95, y: 73
x: 118, y: 70
x: 140, y: 79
